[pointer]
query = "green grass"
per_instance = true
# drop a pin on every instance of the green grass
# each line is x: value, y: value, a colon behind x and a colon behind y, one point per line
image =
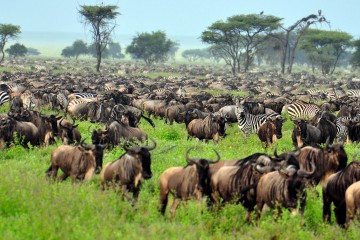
x: 32, y: 207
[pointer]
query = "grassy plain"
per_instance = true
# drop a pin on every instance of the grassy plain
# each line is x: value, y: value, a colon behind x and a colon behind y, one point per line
x: 32, y: 207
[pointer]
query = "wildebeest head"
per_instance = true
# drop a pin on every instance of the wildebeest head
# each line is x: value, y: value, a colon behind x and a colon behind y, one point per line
x: 278, y: 121
x: 66, y: 131
x: 97, y: 150
x: 336, y: 155
x: 202, y: 167
x: 100, y: 136
x: 143, y: 154
x: 296, y: 182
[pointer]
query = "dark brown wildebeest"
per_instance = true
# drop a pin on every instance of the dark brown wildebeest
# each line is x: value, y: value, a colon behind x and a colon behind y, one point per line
x: 186, y: 182
x: 283, y: 188
x: 266, y: 132
x: 327, y: 160
x: 334, y: 191
x: 79, y: 162
x: 118, y: 131
x: 305, y: 134
x: 172, y: 113
x: 210, y: 127
x: 235, y: 180
x: 26, y: 132
x: 129, y: 170
x: 68, y: 132
x: 352, y: 201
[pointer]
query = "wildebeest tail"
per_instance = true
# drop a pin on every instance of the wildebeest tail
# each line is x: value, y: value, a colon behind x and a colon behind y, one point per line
x: 149, y: 120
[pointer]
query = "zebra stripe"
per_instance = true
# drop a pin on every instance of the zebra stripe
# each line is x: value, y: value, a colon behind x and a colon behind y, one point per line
x: 302, y: 110
x: 62, y: 100
x: 341, y: 129
x: 249, y: 123
x: 4, y: 97
x: 84, y: 95
x: 353, y: 93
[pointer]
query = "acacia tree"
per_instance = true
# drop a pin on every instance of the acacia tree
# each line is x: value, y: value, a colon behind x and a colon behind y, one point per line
x: 355, y: 58
x: 325, y: 47
x: 101, y: 18
x: 255, y: 28
x: 17, y: 50
x: 150, y: 47
x: 7, y: 32
x: 239, y: 36
x: 288, y: 44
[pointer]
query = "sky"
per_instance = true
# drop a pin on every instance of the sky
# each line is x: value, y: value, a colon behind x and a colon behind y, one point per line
x: 177, y: 18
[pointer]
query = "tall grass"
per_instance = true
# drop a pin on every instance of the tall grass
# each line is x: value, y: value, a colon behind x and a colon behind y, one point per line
x: 32, y: 207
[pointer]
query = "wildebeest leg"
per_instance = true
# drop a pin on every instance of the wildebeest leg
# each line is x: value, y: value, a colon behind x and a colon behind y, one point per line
x: 54, y: 172
x: 135, y: 197
x: 340, y: 213
x: 326, y: 207
x: 174, y: 207
x: 125, y: 193
x: 163, y: 200
x: 63, y: 177
x: 259, y: 208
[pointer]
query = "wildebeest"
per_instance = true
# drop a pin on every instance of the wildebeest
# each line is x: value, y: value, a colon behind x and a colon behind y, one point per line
x: 327, y: 160
x: 236, y: 180
x: 270, y: 131
x: 209, y: 128
x: 129, y: 170
x: 305, y: 134
x: 68, y: 132
x: 283, y: 188
x: 186, y: 182
x: 352, y: 201
x: 118, y: 131
x: 26, y: 132
x: 334, y: 191
x: 79, y: 162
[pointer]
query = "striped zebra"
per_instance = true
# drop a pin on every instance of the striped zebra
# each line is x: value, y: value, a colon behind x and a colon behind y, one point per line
x: 249, y: 123
x: 341, y: 129
x: 302, y: 110
x: 4, y: 97
x: 355, y: 93
x: 322, y: 94
x: 62, y: 100
x: 85, y: 95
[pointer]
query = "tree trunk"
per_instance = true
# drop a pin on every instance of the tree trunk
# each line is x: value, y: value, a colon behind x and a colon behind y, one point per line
x: 2, y: 55
x: 98, y: 56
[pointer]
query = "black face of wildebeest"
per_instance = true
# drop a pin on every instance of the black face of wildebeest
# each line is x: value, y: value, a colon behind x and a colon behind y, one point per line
x: 278, y: 126
x: 146, y: 163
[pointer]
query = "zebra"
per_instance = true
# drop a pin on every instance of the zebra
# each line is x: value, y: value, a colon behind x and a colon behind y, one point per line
x: 62, y: 101
x: 341, y: 129
x: 249, y: 123
x: 355, y: 93
x: 85, y: 95
x: 302, y: 110
x: 322, y: 94
x: 4, y: 97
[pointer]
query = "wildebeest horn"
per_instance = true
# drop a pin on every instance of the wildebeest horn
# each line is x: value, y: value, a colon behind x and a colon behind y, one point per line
x: 61, y: 121
x: 327, y: 142
x: 275, y: 151
x: 354, y: 156
x: 306, y: 174
x: 188, y: 159
x: 152, y: 147
x: 218, y: 158
x: 264, y: 160
x: 263, y: 169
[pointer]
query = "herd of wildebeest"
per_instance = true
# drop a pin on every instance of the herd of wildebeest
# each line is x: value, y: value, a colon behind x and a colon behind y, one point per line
x: 119, y: 101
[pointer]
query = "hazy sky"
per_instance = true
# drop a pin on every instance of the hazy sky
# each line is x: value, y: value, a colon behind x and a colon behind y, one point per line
x: 175, y: 17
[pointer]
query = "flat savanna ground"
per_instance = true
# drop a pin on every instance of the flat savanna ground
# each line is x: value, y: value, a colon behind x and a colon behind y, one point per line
x: 32, y: 207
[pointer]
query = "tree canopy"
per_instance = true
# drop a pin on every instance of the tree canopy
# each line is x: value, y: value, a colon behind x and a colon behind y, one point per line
x: 101, y: 19
x: 150, y: 47
x: 7, y: 32
x: 17, y: 50
x: 355, y: 58
x: 325, y: 48
x: 236, y: 40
